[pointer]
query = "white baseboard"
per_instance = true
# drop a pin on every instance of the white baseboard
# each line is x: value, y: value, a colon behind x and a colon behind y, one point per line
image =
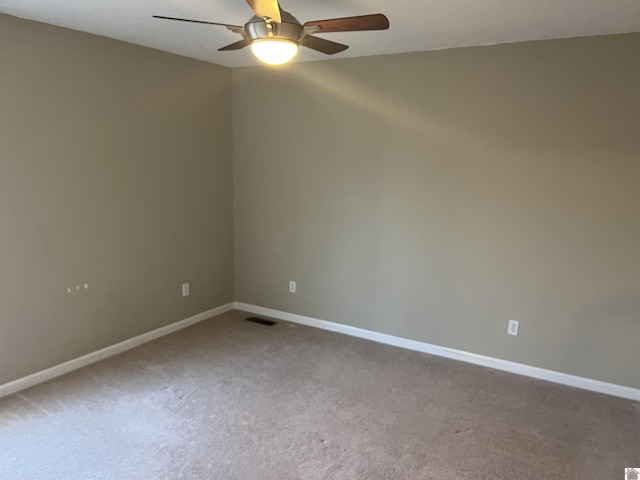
x: 88, y: 359
x: 498, y: 364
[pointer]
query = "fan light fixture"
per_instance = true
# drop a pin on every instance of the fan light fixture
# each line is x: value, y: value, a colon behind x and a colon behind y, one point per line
x: 274, y: 51
x: 275, y: 35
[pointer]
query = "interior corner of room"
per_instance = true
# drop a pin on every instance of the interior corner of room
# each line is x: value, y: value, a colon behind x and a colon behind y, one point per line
x: 429, y: 196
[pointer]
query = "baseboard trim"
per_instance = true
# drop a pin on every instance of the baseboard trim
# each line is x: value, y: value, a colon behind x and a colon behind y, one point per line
x: 88, y: 359
x: 498, y: 364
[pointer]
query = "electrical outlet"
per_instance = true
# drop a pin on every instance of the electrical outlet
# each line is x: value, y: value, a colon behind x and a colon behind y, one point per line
x: 292, y: 286
x: 512, y: 329
x: 185, y: 289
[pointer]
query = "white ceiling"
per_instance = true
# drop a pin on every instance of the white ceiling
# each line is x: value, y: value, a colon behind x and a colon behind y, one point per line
x: 415, y: 24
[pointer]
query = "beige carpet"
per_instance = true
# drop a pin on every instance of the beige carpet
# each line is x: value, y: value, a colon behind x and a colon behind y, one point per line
x: 228, y: 399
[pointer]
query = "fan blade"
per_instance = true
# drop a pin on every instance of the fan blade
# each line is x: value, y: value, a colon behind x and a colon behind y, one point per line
x: 236, y: 46
x: 230, y: 27
x: 322, y: 45
x: 266, y: 8
x: 377, y: 21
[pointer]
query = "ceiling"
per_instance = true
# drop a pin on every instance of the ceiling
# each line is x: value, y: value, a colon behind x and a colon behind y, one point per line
x: 416, y: 25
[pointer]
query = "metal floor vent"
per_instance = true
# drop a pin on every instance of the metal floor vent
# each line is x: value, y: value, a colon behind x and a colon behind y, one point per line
x: 261, y: 321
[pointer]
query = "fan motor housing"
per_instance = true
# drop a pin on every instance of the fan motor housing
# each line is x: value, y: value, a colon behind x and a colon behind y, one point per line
x: 289, y: 29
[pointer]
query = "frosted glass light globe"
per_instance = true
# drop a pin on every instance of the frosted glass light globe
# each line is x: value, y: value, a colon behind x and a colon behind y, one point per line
x: 274, y: 51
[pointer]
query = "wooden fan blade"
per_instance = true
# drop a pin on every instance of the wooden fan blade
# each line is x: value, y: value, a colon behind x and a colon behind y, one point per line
x: 376, y: 21
x: 231, y: 27
x: 322, y: 45
x: 236, y: 46
x: 266, y: 8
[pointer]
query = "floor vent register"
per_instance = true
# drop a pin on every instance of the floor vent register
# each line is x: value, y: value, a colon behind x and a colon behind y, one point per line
x: 261, y: 321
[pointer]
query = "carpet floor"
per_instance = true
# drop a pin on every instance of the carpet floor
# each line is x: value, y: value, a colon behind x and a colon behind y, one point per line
x: 229, y: 399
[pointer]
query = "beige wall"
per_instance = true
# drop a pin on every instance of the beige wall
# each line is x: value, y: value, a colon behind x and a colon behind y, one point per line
x: 430, y: 195
x: 436, y: 195
x: 115, y: 170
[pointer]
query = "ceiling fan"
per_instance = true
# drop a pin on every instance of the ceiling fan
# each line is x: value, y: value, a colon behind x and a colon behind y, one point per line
x: 275, y: 35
